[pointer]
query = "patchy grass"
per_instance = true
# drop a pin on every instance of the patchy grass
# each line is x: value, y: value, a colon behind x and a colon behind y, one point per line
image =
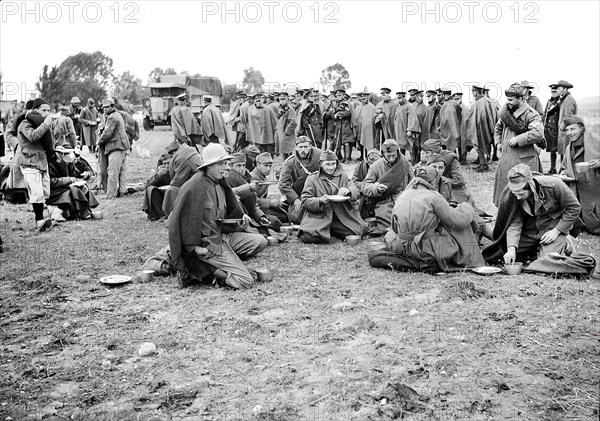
x: 502, y: 347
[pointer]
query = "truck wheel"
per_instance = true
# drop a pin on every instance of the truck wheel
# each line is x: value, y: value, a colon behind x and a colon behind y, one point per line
x: 147, y: 124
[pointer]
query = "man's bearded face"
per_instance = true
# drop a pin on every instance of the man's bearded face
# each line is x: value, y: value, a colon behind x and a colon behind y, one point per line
x: 303, y: 149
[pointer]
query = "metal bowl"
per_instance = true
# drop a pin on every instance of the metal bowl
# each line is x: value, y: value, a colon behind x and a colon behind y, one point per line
x: 264, y: 275
x: 352, y: 240
x: 146, y: 275
x: 514, y: 269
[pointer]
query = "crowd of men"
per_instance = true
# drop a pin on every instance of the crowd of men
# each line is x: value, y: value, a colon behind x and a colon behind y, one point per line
x: 408, y: 185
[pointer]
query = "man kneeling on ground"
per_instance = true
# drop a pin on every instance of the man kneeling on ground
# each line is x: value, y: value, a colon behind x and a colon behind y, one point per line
x: 201, y: 243
x: 324, y: 218
x: 427, y: 234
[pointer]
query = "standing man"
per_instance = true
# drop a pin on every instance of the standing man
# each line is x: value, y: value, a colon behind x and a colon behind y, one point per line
x: 88, y: 118
x: 294, y: 172
x: 200, y: 245
x: 583, y: 147
x: 114, y: 145
x: 551, y: 129
x: 465, y: 143
x: 34, y: 140
x: 235, y: 120
x: 75, y: 112
x: 310, y: 118
x: 365, y: 124
x: 345, y: 135
x: 388, y: 105
x: 430, y: 129
x: 532, y: 100
x: 420, y: 110
x: 262, y: 125
x: 185, y: 126
x: 406, y: 124
x: 62, y: 128
x: 568, y: 107
x: 481, y: 125
x: 450, y: 122
x: 286, y: 127
x: 516, y: 134
x: 213, y: 123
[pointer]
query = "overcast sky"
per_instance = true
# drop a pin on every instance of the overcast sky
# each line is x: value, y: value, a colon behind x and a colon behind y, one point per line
x: 451, y: 44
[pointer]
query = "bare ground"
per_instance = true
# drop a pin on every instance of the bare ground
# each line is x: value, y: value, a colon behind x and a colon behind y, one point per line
x: 329, y: 339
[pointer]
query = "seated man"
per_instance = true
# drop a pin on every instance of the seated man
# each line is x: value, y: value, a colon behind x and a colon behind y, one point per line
x: 360, y: 173
x: 271, y: 207
x: 324, y: 218
x: 200, y: 243
x: 251, y: 152
x: 154, y: 195
x: 535, y: 215
x: 427, y: 234
x: 386, y: 179
x: 183, y: 166
x: 583, y: 146
x: 294, y: 172
x: 70, y: 196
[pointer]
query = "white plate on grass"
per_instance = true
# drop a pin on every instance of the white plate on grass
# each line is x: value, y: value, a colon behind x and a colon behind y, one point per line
x: 486, y: 270
x: 115, y: 279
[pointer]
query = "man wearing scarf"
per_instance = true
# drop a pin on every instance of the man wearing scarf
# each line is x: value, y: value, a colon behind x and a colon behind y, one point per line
x: 89, y: 123
x: 324, y: 218
x: 183, y: 123
x: 405, y: 123
x: 201, y: 243
x: 386, y: 179
x: 427, y: 234
x: 568, y: 107
x: 551, y: 115
x: 517, y: 133
x: 583, y: 147
x: 294, y: 172
x: 480, y: 127
x: 185, y: 163
x: 262, y: 125
x: 31, y: 155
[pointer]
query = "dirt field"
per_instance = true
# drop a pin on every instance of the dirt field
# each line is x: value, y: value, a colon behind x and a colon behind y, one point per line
x: 329, y: 339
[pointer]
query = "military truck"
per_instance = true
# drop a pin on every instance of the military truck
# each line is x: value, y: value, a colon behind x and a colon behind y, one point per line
x: 157, y: 108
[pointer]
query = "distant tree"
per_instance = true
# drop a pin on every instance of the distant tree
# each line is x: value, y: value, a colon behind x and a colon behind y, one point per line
x: 154, y: 75
x: 253, y: 79
x: 128, y: 87
x: 50, y: 86
x: 228, y: 94
x: 335, y: 77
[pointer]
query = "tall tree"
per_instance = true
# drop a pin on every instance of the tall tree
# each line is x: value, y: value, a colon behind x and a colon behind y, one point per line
x: 128, y: 87
x: 50, y: 86
x: 253, y: 79
x: 335, y: 77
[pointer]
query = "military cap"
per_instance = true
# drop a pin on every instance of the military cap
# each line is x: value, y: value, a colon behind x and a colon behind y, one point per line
x: 299, y: 91
x: 208, y: 98
x: 240, y: 93
x: 478, y: 88
x: 564, y: 84
x: 527, y: 85
x: 303, y: 139
x: 389, y: 146
x: 76, y: 100
x: 401, y: 93
x: 486, y: 89
x: 264, y: 158
x: 439, y: 90
x: 553, y: 86
x: 386, y: 90
x: 340, y: 90
x: 353, y: 96
x: 181, y: 96
x: 514, y: 90
x: 519, y: 176
x: 252, y: 150
x: 458, y: 94
x: 436, y: 157
x: 108, y: 101
x: 427, y: 173
x: 238, y: 158
x: 430, y: 92
x: 283, y: 93
x: 447, y: 92
x: 328, y: 156
x: 418, y: 92
x: 433, y: 145
x: 413, y: 91
x: 258, y: 94
x: 374, y: 152
x: 573, y: 119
